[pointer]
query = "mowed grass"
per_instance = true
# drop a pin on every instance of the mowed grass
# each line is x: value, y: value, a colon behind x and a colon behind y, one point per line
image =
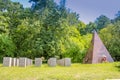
x: 75, y: 72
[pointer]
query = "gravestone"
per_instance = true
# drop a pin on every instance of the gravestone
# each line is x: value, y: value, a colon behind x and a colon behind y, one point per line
x: 27, y: 61
x: 22, y: 61
x: 52, y: 62
x: 67, y: 61
x: 38, y: 61
x: 61, y: 62
x: 31, y: 61
x: 17, y: 62
x: 13, y: 61
x: 7, y: 61
x: 64, y: 62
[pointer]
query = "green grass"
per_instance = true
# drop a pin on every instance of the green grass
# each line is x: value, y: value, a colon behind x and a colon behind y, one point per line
x: 75, y: 72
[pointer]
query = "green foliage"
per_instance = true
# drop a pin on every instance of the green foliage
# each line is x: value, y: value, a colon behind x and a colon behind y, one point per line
x: 90, y: 27
x: 4, y: 25
x: 24, y: 38
x: 117, y: 17
x: 102, y: 21
x: 82, y: 28
x: 4, y: 4
x: 110, y: 36
x: 76, y: 45
x: 49, y: 30
x: 7, y: 46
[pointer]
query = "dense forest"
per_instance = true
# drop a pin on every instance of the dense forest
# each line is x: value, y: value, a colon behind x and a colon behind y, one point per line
x: 48, y: 29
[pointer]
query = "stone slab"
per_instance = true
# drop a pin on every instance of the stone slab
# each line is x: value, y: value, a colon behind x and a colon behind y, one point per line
x: 67, y: 61
x: 52, y: 62
x: 61, y: 62
x: 13, y: 61
x: 64, y: 62
x: 7, y: 61
x: 22, y: 61
x: 38, y: 61
x: 17, y: 62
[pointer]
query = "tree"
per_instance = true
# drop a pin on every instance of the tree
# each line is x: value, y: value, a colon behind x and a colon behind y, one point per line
x: 7, y: 46
x: 90, y: 27
x: 117, y: 17
x: 44, y: 30
x: 24, y: 38
x: 55, y: 22
x: 81, y: 28
x: 4, y: 26
x: 110, y: 36
x: 102, y: 21
x: 62, y: 3
x: 4, y: 4
x: 76, y: 45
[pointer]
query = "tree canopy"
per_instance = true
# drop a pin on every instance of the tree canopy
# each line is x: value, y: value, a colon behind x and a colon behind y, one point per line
x: 48, y: 29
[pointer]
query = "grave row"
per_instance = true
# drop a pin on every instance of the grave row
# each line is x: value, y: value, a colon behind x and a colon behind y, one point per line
x: 62, y: 62
x: 23, y: 62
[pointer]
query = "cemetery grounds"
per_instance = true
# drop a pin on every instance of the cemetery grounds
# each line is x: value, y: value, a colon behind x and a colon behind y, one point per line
x: 76, y: 71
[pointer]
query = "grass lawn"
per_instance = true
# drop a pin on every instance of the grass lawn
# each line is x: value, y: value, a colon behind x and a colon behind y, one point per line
x: 75, y: 72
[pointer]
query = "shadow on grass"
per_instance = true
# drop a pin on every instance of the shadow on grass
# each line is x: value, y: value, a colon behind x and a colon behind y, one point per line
x: 1, y: 65
x: 118, y: 66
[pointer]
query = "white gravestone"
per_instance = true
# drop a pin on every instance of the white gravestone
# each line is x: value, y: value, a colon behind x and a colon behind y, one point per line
x: 61, y: 62
x: 27, y: 61
x: 67, y: 61
x: 64, y: 62
x: 17, y: 62
x: 31, y: 61
x: 13, y: 61
x: 52, y: 62
x: 38, y: 61
x: 22, y: 61
x: 7, y: 61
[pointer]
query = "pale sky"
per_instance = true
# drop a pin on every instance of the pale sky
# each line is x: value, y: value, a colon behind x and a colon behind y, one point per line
x: 89, y: 10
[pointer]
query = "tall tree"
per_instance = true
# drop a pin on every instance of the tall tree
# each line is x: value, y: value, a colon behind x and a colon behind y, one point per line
x: 62, y: 3
x: 90, y: 27
x: 117, y: 17
x: 110, y: 36
x: 102, y: 21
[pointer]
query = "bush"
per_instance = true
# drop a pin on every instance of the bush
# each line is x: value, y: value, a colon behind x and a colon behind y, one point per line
x: 7, y: 47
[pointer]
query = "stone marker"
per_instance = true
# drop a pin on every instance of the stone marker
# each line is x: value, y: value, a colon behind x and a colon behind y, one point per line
x: 17, y: 62
x: 22, y: 61
x: 13, y: 61
x: 27, y: 61
x: 67, y: 61
x: 64, y: 62
x: 31, y: 61
x: 61, y: 62
x: 38, y: 61
x: 52, y: 62
x: 7, y: 61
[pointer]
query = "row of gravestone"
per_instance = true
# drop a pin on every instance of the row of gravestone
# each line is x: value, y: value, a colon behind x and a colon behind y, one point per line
x: 23, y: 62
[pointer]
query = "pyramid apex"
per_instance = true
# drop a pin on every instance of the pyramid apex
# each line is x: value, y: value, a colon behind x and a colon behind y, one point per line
x: 94, y: 31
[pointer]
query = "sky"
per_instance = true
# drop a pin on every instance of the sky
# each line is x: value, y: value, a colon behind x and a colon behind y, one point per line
x: 88, y: 10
